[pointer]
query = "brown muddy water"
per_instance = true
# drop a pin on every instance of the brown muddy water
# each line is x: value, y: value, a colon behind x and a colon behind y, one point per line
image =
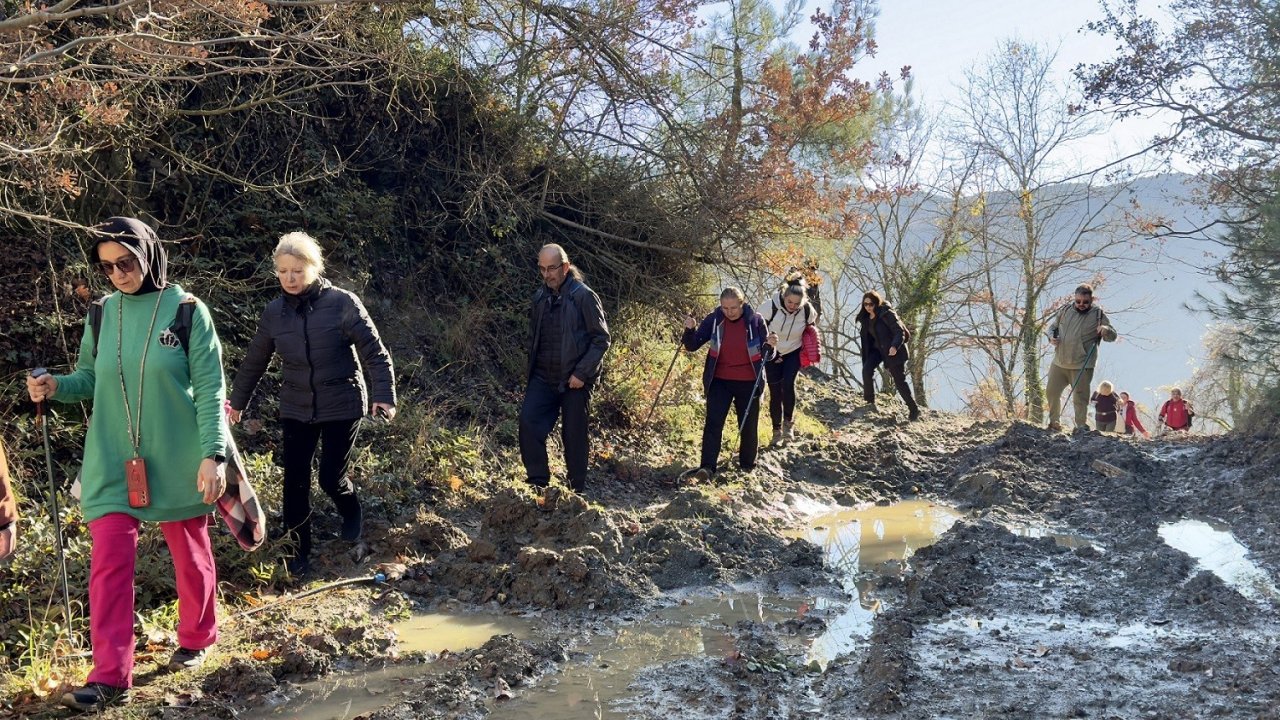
x: 858, y: 543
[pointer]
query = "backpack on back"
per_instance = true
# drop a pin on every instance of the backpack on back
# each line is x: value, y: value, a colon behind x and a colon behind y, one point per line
x: 181, y: 326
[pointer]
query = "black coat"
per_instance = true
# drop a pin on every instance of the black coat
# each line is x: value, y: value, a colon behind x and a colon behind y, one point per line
x: 881, y: 334
x: 318, y: 335
x: 584, y: 336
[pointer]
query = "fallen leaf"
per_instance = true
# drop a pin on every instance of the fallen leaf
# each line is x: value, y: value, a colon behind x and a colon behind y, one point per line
x: 1040, y: 651
x: 261, y: 654
x: 1018, y: 662
x: 455, y: 483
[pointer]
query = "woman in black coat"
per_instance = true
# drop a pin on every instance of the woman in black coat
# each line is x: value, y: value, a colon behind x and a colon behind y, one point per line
x: 324, y: 336
x: 883, y: 340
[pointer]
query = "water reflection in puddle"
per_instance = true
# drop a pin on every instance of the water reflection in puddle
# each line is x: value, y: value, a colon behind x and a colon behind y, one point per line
x: 1218, y: 551
x: 343, y: 696
x: 859, y: 540
x: 1066, y: 540
x: 436, y: 632
x: 338, y: 697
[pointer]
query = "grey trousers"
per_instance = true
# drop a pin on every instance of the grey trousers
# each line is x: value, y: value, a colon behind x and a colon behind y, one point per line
x: 1060, y: 379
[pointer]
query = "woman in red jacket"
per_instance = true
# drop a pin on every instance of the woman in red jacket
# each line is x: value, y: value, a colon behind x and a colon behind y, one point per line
x: 1132, y: 423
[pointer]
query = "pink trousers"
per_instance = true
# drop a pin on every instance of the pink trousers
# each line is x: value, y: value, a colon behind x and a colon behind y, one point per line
x: 115, y: 553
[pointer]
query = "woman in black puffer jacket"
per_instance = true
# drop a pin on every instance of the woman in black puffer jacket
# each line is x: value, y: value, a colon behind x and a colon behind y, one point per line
x: 323, y: 335
x: 883, y: 340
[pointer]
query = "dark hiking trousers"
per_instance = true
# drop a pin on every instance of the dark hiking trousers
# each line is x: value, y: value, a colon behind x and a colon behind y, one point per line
x: 720, y: 395
x: 896, y: 369
x: 543, y: 403
x: 336, y: 439
x: 781, y: 376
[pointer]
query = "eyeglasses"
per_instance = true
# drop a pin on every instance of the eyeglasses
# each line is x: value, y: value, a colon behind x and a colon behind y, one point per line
x: 549, y: 268
x: 125, y: 265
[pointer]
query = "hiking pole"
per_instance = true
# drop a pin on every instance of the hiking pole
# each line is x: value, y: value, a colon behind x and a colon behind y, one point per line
x: 1071, y: 390
x: 42, y: 419
x: 746, y: 413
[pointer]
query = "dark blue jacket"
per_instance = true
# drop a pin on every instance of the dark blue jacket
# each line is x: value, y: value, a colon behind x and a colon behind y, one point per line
x: 711, y: 331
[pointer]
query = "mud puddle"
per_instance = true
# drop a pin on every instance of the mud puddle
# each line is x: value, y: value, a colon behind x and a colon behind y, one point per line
x: 348, y: 695
x: 1217, y: 550
x: 860, y: 543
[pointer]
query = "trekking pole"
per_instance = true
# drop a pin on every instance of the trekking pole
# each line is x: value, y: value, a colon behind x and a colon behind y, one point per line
x: 1071, y: 390
x: 746, y: 413
x: 42, y: 419
x: 672, y: 366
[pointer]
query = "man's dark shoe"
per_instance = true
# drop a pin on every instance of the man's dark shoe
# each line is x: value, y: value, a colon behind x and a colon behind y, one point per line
x: 95, y: 696
x: 187, y: 659
x: 352, y: 524
x: 700, y: 475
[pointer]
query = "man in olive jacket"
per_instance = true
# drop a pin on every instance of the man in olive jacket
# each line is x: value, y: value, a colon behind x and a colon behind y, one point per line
x: 1075, y: 333
x: 570, y: 338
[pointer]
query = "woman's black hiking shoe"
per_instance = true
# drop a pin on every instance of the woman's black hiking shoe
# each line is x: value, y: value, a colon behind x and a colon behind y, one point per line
x: 95, y: 696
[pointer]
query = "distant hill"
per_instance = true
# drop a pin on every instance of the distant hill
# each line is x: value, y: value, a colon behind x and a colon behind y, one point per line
x: 1150, y: 298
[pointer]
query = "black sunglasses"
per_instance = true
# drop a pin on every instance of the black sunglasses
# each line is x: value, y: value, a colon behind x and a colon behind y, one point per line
x: 126, y: 265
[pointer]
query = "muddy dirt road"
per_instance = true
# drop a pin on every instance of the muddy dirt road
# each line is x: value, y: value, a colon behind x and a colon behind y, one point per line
x: 941, y: 569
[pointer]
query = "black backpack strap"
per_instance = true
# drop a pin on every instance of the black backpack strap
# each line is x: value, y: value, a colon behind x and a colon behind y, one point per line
x: 95, y: 320
x: 182, y: 320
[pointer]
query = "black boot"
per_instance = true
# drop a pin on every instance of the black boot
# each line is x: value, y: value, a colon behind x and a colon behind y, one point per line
x: 352, y: 521
x: 915, y: 414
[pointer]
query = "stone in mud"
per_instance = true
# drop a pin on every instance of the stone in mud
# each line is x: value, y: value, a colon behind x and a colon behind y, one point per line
x: 1108, y: 469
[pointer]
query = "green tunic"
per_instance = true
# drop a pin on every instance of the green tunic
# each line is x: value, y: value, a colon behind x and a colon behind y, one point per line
x: 182, y: 414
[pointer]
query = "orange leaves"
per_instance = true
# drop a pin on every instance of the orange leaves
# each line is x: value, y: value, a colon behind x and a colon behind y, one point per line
x: 65, y: 181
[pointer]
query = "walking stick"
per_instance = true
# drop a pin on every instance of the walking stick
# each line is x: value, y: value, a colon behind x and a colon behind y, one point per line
x: 42, y: 419
x: 1071, y: 390
x: 747, y: 412
x: 679, y: 347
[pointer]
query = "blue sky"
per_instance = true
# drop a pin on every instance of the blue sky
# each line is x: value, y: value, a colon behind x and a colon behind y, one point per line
x: 940, y: 39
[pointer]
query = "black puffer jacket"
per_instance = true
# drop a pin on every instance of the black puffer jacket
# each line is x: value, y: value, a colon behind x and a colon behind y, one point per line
x: 318, y: 335
x: 584, y: 336
x: 881, y: 334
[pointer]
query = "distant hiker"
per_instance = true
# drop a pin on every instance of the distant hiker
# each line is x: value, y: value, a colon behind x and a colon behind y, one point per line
x: 1132, y: 423
x: 1104, y: 407
x: 324, y: 337
x: 884, y: 340
x: 740, y: 346
x: 155, y: 451
x: 569, y: 339
x: 788, y: 315
x: 1075, y: 333
x: 8, y: 510
x: 1176, y: 413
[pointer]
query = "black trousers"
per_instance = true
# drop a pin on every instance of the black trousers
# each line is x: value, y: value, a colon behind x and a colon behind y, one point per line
x: 543, y: 403
x: 336, y: 440
x: 781, y: 376
x: 739, y: 394
x: 897, y: 369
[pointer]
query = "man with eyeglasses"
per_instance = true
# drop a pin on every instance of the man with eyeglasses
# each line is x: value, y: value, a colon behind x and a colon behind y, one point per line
x: 1075, y: 333
x: 570, y: 338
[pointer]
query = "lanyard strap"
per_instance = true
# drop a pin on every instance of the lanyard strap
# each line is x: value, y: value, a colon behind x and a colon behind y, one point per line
x: 135, y: 432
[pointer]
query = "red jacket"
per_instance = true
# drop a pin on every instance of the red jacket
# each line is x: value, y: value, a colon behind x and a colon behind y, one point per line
x: 1131, y: 421
x: 1176, y: 414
